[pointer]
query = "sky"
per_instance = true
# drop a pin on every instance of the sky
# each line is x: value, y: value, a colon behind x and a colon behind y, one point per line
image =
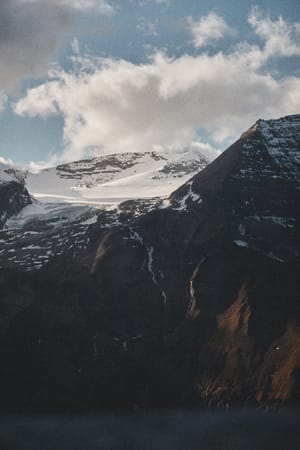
x: 82, y: 78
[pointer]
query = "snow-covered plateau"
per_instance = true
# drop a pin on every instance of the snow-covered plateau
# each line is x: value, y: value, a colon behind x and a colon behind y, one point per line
x: 75, y: 191
x: 114, y: 178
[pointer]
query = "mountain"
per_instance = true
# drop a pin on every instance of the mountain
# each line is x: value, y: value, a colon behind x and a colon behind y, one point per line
x: 13, y: 195
x: 107, y: 190
x: 189, y: 300
x: 117, y: 177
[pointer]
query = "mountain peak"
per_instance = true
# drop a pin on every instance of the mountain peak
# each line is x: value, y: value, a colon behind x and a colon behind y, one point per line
x: 113, y: 178
x: 269, y: 150
x: 281, y: 139
x: 281, y: 121
x: 196, y: 292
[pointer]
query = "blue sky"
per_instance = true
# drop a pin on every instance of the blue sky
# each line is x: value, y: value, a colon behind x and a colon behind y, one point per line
x: 87, y: 77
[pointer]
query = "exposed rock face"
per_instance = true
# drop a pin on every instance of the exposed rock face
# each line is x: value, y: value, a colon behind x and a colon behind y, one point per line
x: 13, y: 195
x: 194, y: 302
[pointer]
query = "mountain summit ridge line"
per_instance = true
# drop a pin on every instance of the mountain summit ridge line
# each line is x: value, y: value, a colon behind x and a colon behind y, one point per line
x: 186, y: 300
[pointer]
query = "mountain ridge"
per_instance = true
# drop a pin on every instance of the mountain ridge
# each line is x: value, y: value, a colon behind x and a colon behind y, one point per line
x: 192, y: 302
x: 114, y: 177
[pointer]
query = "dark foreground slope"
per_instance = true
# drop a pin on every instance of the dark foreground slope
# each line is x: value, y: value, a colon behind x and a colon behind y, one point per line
x: 196, y: 302
x: 230, y: 430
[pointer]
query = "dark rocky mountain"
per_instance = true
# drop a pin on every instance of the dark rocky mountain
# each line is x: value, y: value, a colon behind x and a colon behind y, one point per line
x: 192, y: 300
x: 13, y: 194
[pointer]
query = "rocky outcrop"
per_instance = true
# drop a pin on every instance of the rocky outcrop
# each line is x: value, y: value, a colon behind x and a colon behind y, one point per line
x: 13, y: 197
x: 194, y: 302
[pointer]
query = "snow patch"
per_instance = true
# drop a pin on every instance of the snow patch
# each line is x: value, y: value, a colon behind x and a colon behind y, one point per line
x: 134, y: 235
x: 165, y: 204
x: 240, y: 243
x: 275, y: 257
x: 92, y: 220
x: 192, y: 196
x: 150, y: 251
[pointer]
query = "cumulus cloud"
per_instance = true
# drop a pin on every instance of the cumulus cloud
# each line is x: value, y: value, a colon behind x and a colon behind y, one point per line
x: 99, y: 5
x: 280, y: 37
x: 31, y: 31
x: 6, y: 162
x: 208, y: 29
x: 36, y: 166
x: 114, y: 105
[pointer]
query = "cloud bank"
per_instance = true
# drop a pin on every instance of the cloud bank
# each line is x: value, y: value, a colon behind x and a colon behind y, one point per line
x: 114, y: 105
x: 31, y: 32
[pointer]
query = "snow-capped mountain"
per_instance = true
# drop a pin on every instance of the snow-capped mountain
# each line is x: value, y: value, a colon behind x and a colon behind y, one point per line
x: 67, y: 199
x: 9, y: 174
x: 117, y: 177
x: 13, y: 195
x: 190, y: 299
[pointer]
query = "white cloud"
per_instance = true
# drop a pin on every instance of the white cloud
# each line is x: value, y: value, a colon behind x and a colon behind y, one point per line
x: 280, y: 37
x: 6, y: 162
x: 208, y: 29
x: 114, y: 105
x: 75, y: 46
x: 102, y: 6
x: 205, y: 149
x: 36, y: 166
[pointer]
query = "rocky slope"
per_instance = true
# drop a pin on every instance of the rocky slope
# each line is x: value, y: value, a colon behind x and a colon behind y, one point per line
x: 13, y: 195
x: 190, y: 300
